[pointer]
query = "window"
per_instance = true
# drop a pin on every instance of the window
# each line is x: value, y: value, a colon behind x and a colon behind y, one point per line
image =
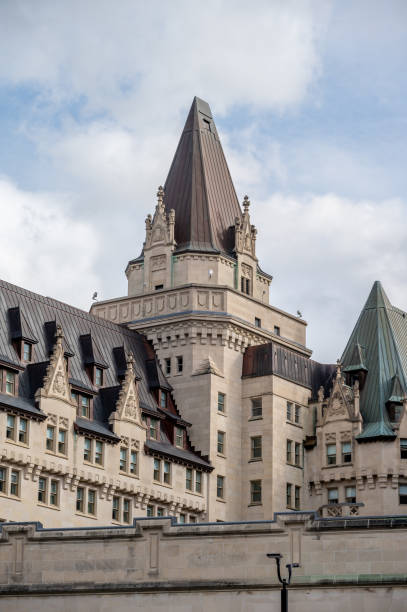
x: 255, y: 491
x: 50, y: 441
x: 297, y: 454
x: 167, y: 472
x: 331, y: 454
x: 188, y: 479
x: 297, y: 413
x: 86, y: 501
x: 48, y: 491
x: 180, y: 364
x: 333, y: 496
x: 288, y: 494
x: 245, y: 285
x: 163, y: 399
x: 128, y: 460
x: 158, y: 287
x: 62, y: 442
x: 150, y: 510
x: 182, y: 518
x: 255, y: 447
x: 133, y: 462
x: 403, y: 494
x: 53, y: 494
x: 167, y: 363
x: 121, y: 509
x: 3, y: 480
x: 154, y: 427
x: 289, y: 451
x: 257, y: 322
x: 98, y: 377
x: 289, y: 411
x: 179, y: 437
x: 123, y: 459
x: 257, y: 408
x: 297, y: 493
x: 115, y: 508
x: 346, y: 452
x: 98, y: 452
x: 157, y: 470
x: 84, y: 406
x: 192, y: 518
x: 126, y: 510
x: 198, y: 482
x: 80, y: 494
x: 221, y: 402
x: 15, y: 483
x: 276, y: 330
x: 220, y: 487
x: 221, y: 442
x: 87, y: 449
x: 27, y: 351
x: 42, y: 490
x: 10, y: 383
x: 403, y: 448
x: 350, y: 495
x: 160, y: 511
x: 11, y: 427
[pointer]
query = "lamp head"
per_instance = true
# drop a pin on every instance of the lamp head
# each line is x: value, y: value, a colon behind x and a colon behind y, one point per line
x: 274, y: 556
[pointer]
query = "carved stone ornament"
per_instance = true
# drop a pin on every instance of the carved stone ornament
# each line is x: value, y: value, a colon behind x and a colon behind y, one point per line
x: 245, y: 233
x: 56, y: 382
x: 341, y: 401
x: 346, y: 436
x: 127, y: 406
x: 330, y: 437
x: 160, y: 228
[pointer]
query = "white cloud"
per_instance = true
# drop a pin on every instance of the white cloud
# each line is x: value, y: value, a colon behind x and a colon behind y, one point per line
x: 43, y: 248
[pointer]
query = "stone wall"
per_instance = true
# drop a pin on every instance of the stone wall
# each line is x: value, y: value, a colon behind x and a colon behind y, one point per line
x: 157, y: 564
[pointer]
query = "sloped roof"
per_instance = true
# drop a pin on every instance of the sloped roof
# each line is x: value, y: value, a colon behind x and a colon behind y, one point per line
x: 199, y: 187
x: 381, y: 332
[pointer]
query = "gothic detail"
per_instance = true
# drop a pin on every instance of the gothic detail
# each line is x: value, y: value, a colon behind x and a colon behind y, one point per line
x: 56, y: 382
x: 207, y: 366
x: 245, y: 233
x: 160, y: 228
x: 127, y: 406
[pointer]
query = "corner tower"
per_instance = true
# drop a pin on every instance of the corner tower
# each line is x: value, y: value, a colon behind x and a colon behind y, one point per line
x: 197, y: 292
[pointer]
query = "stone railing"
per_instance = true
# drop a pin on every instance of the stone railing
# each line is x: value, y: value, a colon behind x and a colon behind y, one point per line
x: 340, y: 509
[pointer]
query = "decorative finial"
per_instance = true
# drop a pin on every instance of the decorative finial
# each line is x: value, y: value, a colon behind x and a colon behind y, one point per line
x: 246, y: 204
x: 130, y: 359
x: 338, y: 368
x: 59, y: 334
x: 160, y: 194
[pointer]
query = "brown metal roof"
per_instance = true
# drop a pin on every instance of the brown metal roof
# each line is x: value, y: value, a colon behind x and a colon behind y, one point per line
x: 200, y: 189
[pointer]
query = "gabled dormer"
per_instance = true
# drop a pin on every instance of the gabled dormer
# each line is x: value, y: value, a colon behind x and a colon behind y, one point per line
x: 356, y: 368
x: 395, y: 401
x: 93, y: 359
x: 21, y: 334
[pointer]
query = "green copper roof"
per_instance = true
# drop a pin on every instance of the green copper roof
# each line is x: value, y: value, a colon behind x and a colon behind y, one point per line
x: 378, y: 345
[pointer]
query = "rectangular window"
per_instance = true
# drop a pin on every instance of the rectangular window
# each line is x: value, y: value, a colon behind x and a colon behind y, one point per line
x: 3, y: 481
x: 350, y: 495
x: 179, y: 437
x: 221, y: 402
x: 133, y: 462
x: 403, y: 448
x: 115, y: 508
x: 255, y: 447
x: 15, y: 483
x: 198, y: 482
x: 297, y: 493
x: 157, y: 470
x: 98, y: 452
x: 289, y: 451
x: 167, y: 362
x: 192, y: 518
x: 276, y: 330
x: 331, y: 454
x: 257, y: 322
x: 403, y: 494
x: 247, y: 286
x: 27, y: 350
x: 346, y: 452
x: 126, y: 511
x: 182, y: 518
x: 123, y: 459
x: 257, y: 407
x: 255, y: 491
x: 98, y: 377
x: 153, y: 428
x: 167, y: 472
x: 297, y: 454
x: 11, y: 427
x: 80, y: 494
x: 10, y: 383
x: 50, y: 441
x: 288, y: 495
x: 23, y: 431
x: 220, y: 487
x: 180, y: 364
x: 333, y: 496
x: 289, y: 411
x: 297, y: 414
x: 84, y: 406
x: 62, y: 442
x: 92, y: 502
x: 221, y: 442
x: 53, y: 494
x: 160, y: 511
x: 150, y: 510
x: 158, y: 287
x: 188, y: 479
x: 163, y: 399
x: 87, y: 449
x: 42, y: 490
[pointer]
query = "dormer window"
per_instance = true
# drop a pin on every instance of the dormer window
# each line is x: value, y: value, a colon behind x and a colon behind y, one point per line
x: 83, y: 403
x: 179, y: 437
x: 163, y: 399
x: 98, y: 376
x: 10, y: 383
x: 26, y: 351
x: 153, y: 428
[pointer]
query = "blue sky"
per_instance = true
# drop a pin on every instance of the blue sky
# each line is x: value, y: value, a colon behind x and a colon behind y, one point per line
x: 309, y: 99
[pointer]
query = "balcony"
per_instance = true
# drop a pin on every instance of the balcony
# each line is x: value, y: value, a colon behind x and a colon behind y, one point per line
x: 340, y: 509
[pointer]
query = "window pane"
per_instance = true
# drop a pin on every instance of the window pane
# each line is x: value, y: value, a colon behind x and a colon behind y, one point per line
x: 123, y: 459
x: 288, y: 494
x: 126, y: 511
x: 61, y: 441
x: 91, y: 501
x: 98, y: 452
x: 26, y: 351
x: 198, y: 482
x: 98, y: 377
x: 53, y: 497
x: 115, y: 508
x: 255, y: 491
x: 79, y: 499
x: 22, y: 430
x: 163, y: 399
x: 220, y: 481
x: 188, y: 479
x: 289, y: 411
x: 87, y: 445
x: 221, y: 402
x: 2, y: 480
x: 332, y: 496
x: 167, y: 472
x: 133, y: 462
x: 10, y: 383
x: 157, y: 469
x: 221, y: 442
x: 150, y: 510
x: 153, y: 428
x: 297, y: 413
x: 179, y: 437
x: 11, y: 423
x: 42, y: 490
x: 256, y: 447
x: 257, y: 409
x: 14, y: 482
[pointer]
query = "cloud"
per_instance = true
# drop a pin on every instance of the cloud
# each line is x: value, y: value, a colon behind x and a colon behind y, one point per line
x: 43, y: 248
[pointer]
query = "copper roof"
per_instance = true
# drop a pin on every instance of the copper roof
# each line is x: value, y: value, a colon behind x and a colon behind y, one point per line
x: 200, y: 189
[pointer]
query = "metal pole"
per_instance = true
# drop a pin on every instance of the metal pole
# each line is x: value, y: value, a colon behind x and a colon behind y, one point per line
x: 284, y: 604
x: 283, y: 581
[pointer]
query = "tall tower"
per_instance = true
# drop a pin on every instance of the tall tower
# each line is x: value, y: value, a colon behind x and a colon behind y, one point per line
x: 198, y: 293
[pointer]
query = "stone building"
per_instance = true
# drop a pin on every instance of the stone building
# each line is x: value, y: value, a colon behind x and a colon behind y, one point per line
x: 195, y: 378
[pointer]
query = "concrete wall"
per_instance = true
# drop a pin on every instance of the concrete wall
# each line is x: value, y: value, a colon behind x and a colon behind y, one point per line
x: 354, y: 564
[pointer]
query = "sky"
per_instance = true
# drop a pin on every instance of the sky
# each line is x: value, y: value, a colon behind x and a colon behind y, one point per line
x: 308, y: 98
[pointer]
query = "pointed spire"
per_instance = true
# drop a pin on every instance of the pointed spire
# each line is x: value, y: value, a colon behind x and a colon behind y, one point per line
x: 377, y: 297
x: 199, y: 187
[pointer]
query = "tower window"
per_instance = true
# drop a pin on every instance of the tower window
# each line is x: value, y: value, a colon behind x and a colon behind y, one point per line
x: 276, y: 330
x: 331, y: 454
x: 257, y: 322
x: 180, y: 364
x: 168, y: 366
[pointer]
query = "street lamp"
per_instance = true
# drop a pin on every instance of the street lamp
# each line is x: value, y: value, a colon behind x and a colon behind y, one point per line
x: 284, y: 581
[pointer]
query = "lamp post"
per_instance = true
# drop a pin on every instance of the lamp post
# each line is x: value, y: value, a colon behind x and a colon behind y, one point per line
x: 284, y: 581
